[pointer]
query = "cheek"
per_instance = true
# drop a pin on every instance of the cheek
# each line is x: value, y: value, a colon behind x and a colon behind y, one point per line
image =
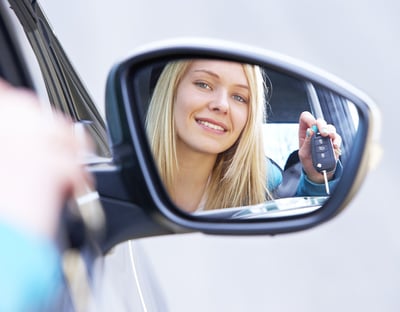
x: 179, y: 119
x: 240, y: 118
x: 183, y: 103
x: 180, y: 107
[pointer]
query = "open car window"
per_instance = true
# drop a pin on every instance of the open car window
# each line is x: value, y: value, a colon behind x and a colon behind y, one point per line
x: 287, y: 98
x: 64, y: 87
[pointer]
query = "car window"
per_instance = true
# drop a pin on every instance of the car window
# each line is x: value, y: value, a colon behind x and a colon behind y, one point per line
x: 287, y: 98
x: 11, y: 64
x: 336, y: 110
x: 65, y: 89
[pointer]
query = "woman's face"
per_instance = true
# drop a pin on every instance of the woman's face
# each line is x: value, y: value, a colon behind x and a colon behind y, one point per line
x: 211, y: 106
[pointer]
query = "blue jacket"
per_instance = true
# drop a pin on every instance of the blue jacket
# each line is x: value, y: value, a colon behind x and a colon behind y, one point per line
x: 30, y: 272
x: 302, y: 185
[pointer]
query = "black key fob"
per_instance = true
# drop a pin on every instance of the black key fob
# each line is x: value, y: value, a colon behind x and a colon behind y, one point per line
x: 322, y: 153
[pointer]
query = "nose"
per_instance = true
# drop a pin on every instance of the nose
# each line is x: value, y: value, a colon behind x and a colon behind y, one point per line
x: 220, y: 103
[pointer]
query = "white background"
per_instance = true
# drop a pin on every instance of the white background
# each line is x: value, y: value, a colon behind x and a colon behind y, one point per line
x: 351, y: 263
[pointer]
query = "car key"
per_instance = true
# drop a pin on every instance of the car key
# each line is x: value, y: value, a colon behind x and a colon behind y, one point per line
x: 323, y: 156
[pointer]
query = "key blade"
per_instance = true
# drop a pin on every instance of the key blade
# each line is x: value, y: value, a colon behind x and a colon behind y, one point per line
x: 326, y: 182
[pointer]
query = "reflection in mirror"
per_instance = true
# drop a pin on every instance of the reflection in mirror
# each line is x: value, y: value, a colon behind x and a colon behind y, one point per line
x: 233, y: 140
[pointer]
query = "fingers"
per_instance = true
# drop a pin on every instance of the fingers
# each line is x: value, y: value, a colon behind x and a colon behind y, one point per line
x: 20, y: 96
x: 70, y: 146
x: 306, y: 120
x: 43, y: 163
x: 308, y: 126
x: 330, y: 130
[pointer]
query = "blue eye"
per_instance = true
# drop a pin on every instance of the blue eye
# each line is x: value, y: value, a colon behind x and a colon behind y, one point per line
x: 202, y: 85
x: 239, y: 98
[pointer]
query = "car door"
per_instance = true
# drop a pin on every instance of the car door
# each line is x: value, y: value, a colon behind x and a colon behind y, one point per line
x: 91, y: 283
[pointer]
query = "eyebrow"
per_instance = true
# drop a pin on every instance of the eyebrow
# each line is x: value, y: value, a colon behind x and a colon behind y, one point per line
x: 211, y: 73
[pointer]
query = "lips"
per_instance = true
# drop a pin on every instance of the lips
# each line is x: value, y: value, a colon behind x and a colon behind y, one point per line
x: 211, y: 124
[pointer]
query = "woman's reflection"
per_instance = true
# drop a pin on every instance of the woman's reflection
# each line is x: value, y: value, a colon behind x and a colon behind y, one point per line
x: 205, y: 129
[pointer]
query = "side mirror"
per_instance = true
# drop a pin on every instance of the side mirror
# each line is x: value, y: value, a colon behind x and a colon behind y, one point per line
x: 290, y: 88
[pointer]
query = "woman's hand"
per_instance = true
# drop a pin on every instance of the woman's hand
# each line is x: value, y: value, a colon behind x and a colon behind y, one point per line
x: 40, y: 162
x: 308, y: 125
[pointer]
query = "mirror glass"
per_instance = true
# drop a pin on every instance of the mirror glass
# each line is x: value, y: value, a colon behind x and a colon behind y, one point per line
x: 233, y: 140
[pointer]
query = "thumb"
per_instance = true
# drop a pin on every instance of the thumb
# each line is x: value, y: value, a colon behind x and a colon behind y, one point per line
x: 305, y: 143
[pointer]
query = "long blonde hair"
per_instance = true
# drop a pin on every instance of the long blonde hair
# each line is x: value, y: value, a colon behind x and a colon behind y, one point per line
x: 239, y: 176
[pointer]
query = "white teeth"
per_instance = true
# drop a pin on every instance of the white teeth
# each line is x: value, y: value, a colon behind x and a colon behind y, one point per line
x: 210, y: 125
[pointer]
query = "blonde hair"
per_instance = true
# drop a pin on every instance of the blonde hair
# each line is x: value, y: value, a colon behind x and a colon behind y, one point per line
x: 239, y: 175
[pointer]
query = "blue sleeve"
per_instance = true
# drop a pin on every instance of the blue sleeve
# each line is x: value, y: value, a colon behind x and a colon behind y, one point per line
x: 308, y: 188
x: 274, y: 176
x: 30, y: 272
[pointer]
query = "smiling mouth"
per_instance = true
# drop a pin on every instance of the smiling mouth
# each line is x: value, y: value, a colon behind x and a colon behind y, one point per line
x: 211, y: 125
